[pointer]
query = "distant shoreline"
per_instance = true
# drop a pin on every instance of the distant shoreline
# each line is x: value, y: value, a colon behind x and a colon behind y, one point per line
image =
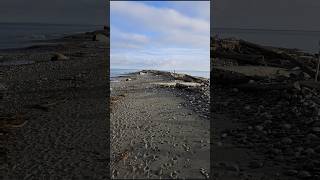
x: 120, y: 72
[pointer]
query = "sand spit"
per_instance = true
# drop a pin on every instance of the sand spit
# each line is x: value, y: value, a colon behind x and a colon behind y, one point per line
x: 156, y: 132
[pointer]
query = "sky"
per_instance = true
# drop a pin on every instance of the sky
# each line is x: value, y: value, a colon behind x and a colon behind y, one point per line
x: 267, y: 14
x: 164, y: 35
x: 92, y: 12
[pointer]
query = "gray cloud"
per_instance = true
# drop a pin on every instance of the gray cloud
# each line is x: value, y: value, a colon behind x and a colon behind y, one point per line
x: 55, y: 11
x: 266, y: 14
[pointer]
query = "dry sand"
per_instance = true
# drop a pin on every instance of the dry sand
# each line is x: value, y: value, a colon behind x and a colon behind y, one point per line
x: 64, y: 106
x: 154, y: 134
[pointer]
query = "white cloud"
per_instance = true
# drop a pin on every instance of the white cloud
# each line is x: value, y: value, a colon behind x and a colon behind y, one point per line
x: 170, y: 22
x: 170, y: 28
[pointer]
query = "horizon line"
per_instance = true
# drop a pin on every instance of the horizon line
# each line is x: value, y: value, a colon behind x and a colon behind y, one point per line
x: 70, y: 24
x: 266, y: 29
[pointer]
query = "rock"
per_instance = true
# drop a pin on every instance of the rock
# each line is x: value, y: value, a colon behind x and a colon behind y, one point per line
x: 235, y: 90
x: 232, y: 167
x: 292, y: 172
x: 247, y: 107
x: 309, y: 151
x: 316, y: 129
x: 297, y: 86
x: 224, y: 135
x: 287, y: 126
x: 255, y: 164
x: 304, y: 174
x: 275, y: 151
x: 311, y: 137
x: 259, y: 128
x: 100, y: 38
x: 286, y: 140
x: 59, y: 56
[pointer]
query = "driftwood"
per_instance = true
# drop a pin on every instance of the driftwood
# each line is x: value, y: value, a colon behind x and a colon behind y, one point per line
x: 266, y: 87
x: 254, y: 54
x: 248, y: 59
x: 278, y: 86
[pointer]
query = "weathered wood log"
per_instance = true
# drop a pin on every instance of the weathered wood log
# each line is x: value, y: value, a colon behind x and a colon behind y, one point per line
x: 244, y: 58
x: 310, y: 84
x: 302, y: 65
x: 266, y: 87
x: 225, y: 77
x: 278, y: 86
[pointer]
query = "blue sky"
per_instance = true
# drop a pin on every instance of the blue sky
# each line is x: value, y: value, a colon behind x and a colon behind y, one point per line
x: 164, y: 35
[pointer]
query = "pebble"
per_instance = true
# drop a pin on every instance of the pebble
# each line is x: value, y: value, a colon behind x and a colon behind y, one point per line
x: 259, y: 128
x: 287, y: 126
x: 286, y: 140
x: 292, y: 172
x: 232, y: 167
x: 255, y: 164
x: 316, y: 129
x: 304, y: 174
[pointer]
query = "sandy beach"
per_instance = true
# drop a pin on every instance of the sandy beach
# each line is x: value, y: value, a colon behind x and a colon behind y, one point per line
x: 55, y: 99
x: 157, y: 131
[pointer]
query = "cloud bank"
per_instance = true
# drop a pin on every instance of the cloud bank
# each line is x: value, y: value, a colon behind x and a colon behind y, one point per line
x: 170, y: 36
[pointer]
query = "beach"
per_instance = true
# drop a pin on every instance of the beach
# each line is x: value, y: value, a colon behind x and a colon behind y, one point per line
x: 55, y: 104
x: 159, y: 129
x: 265, y: 108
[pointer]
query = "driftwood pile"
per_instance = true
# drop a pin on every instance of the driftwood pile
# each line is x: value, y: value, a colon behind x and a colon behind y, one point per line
x: 279, y: 112
x: 243, y: 53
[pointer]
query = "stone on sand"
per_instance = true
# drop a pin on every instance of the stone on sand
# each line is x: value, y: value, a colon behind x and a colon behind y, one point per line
x: 100, y: 38
x: 59, y: 56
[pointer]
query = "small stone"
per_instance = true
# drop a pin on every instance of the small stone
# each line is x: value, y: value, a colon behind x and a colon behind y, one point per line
x: 275, y: 151
x: 232, y: 167
x: 174, y: 174
x: 247, y: 107
x: 286, y: 140
x: 235, y: 90
x: 287, y: 126
x: 309, y: 151
x: 292, y: 172
x: 100, y: 38
x: 255, y: 164
x: 159, y: 172
x: 58, y: 56
x: 224, y: 135
x: 304, y: 174
x: 316, y: 129
x: 259, y: 128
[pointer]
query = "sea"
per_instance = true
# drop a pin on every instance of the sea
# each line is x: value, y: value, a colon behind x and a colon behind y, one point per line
x: 307, y: 41
x: 114, y: 72
x: 19, y: 35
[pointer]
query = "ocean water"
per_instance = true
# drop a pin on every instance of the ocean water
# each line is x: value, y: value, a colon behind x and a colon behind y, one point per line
x: 307, y: 41
x: 118, y: 72
x: 18, y: 35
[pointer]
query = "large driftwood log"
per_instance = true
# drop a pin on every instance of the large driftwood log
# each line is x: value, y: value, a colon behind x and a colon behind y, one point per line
x: 278, y: 86
x: 244, y: 58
